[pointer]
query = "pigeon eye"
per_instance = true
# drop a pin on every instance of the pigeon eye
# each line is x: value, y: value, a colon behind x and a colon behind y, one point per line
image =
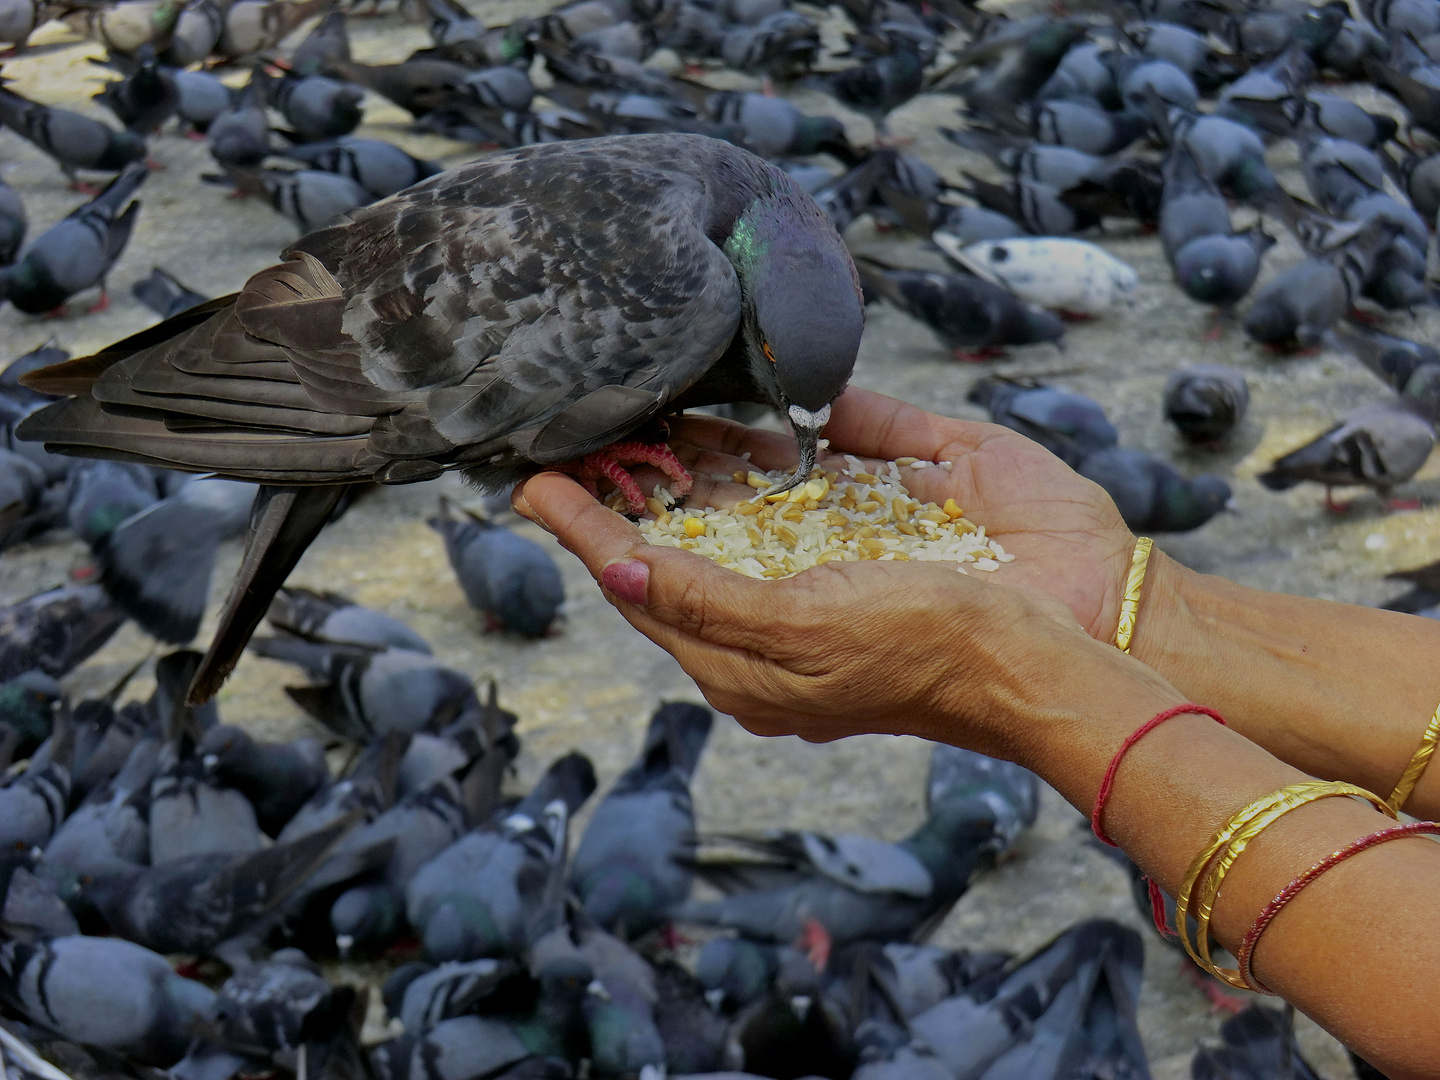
x: 765, y: 348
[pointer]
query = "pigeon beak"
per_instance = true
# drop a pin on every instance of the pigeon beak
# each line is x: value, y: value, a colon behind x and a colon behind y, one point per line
x: 343, y: 944
x: 596, y: 988
x: 1231, y: 504
x: 801, y: 1004
x: 209, y: 761
x: 715, y: 998
x: 808, y: 426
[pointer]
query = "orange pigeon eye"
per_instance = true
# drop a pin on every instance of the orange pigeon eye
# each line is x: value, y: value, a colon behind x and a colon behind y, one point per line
x: 765, y: 348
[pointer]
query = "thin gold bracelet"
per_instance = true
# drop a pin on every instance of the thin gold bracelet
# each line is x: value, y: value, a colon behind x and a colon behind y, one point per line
x: 1411, y: 776
x: 1130, y: 602
x: 1210, y: 889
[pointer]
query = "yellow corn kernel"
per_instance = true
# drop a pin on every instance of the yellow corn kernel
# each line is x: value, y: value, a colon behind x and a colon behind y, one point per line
x: 864, y: 478
x: 835, y: 519
x: 899, y: 508
x: 865, y: 532
x: 906, y: 528
x: 747, y: 509
x: 939, y: 517
x: 787, y: 534
x: 655, y: 506
x: 965, y: 525
x: 694, y: 528
x: 903, y: 461
x: 832, y: 477
x: 738, y: 476
x: 848, y: 501
x: 900, y: 556
x: 872, y: 547
x: 663, y: 520
x: 829, y: 556
x: 688, y: 545
x: 810, y: 504
x: 754, y: 535
x: 844, y: 536
x: 792, y: 514
x: 817, y: 488
x: 952, y: 509
x: 758, y: 482
x: 869, y: 506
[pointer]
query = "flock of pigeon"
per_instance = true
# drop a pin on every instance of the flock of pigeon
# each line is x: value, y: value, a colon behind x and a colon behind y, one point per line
x: 132, y: 834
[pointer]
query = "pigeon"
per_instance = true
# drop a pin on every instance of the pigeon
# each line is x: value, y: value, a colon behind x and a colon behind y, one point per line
x: 417, y: 85
x: 1255, y: 1044
x: 809, y: 319
x: 1042, y: 209
x: 1084, y: 125
x: 312, y: 198
x: 106, y: 993
x: 157, y: 564
x: 327, y: 41
x: 369, y: 787
x: 190, y: 817
x: 277, y: 778
x: 852, y: 887
x: 195, y: 34
x: 485, y: 894
x: 280, y: 1005
x: 785, y: 43
x: 1424, y: 592
x: 23, y: 505
x: 78, y: 252
x: 145, y: 98
x: 330, y: 617
x: 694, y: 1035
x: 74, y: 141
x: 1068, y: 1010
x: 972, y: 317
x: 56, y: 630
x: 254, y: 26
x: 1206, y: 401
x: 1343, y: 119
x: 421, y: 995
x: 1150, y: 495
x: 239, y: 137
x: 629, y: 869
x: 1227, y: 153
x: 197, y: 903
x: 19, y: 19
x: 773, y: 127
x: 32, y: 806
x: 200, y: 99
x: 1065, y: 275
x: 30, y: 909
x: 102, y: 494
x: 317, y: 107
x: 957, y: 773
x: 13, y: 224
x: 380, y: 168
x: 28, y: 703
x: 624, y: 1038
x: 1395, y: 361
x: 735, y: 971
x: 880, y: 86
x: 163, y: 294
x: 511, y: 579
x: 1067, y: 424
x: 1380, y: 446
x: 361, y: 691
x: 1304, y: 302
x: 1024, y: 61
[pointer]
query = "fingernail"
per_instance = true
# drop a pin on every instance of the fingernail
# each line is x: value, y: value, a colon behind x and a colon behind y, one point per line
x: 522, y: 506
x: 626, y: 579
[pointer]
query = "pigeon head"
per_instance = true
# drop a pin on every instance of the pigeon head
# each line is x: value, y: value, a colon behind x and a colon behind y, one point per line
x: 802, y: 312
x: 125, y: 148
x: 1188, y: 506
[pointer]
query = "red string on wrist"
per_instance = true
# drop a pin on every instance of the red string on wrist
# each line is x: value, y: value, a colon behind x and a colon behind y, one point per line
x: 1252, y: 937
x: 1103, y: 795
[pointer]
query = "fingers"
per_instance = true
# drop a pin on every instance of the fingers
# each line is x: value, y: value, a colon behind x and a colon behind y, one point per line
x: 768, y: 449
x: 868, y: 424
x: 592, y: 532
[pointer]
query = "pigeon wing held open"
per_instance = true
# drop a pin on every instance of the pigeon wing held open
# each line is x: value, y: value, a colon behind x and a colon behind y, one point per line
x: 524, y: 310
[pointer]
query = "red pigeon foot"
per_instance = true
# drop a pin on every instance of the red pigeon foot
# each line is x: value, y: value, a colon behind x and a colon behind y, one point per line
x: 815, y: 942
x: 1332, y: 507
x: 610, y: 463
x: 977, y: 356
x: 1366, y: 317
x: 1403, y: 504
x: 1220, y: 1000
x: 155, y: 166
x: 103, y: 304
x: 1216, y: 331
x: 1075, y: 316
x: 84, y: 187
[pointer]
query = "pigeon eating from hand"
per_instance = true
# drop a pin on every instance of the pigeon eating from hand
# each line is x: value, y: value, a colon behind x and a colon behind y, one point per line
x: 530, y: 309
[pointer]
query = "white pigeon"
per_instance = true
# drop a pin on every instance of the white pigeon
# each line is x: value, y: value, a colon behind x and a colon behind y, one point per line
x: 1063, y: 275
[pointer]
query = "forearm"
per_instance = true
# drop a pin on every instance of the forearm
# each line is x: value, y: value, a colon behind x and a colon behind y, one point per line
x: 1339, y: 691
x: 1357, y: 951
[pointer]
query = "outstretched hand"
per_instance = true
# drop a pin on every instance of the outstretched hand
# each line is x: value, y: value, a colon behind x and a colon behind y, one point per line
x: 869, y: 646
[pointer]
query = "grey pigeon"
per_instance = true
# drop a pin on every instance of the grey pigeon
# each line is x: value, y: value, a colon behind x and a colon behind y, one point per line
x: 277, y: 778
x: 311, y: 198
x: 19, y: 19
x: 773, y: 127
x: 1227, y: 153
x: 1254, y: 1043
x: 1154, y: 79
x: 972, y: 317
x: 1068, y: 1010
x: 1380, y: 446
x: 1393, y: 360
x: 510, y: 578
x: 330, y: 617
x: 1206, y: 401
x: 317, y: 107
x: 809, y: 318
x: 74, y: 141
x: 280, y: 1005
x: 1420, y: 179
x: 624, y: 1038
x: 107, y: 993
x: 1211, y: 262
x: 28, y: 704
x: 56, y: 630
x: 240, y: 136
x: 157, y: 564
x: 190, y: 817
x: 369, y: 788
x: 1086, y: 126
x: 380, y: 168
x: 361, y: 692
x: 22, y: 497
x: 421, y: 995
x: 1342, y: 118
x: 1042, y: 209
x: 1150, y: 495
x: 78, y: 252
x: 32, y: 806
x: 851, y: 886
x: 107, y: 834
x: 327, y: 42
x: 200, y: 98
x: 786, y: 43
x: 13, y: 223
x: 1014, y: 791
x: 1338, y: 172
x: 502, y: 88
x: 1021, y: 59
x: 630, y: 868
x: 198, y: 903
x: 163, y: 294
x: 30, y: 909
x: 483, y: 895
x: 736, y: 971
x: 195, y: 35
x: 1067, y: 424
x: 102, y: 494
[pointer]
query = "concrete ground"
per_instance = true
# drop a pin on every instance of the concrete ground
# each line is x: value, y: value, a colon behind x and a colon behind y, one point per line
x: 593, y: 685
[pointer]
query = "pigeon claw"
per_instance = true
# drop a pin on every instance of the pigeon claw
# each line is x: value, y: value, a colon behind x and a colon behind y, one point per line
x: 1220, y: 1000
x: 609, y: 464
x: 815, y: 942
x: 978, y: 356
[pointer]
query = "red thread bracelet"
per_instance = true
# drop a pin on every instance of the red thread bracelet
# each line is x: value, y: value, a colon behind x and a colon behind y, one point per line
x: 1252, y: 937
x: 1135, y: 736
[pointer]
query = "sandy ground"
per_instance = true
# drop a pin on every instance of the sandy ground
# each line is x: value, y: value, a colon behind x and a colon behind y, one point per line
x: 593, y: 686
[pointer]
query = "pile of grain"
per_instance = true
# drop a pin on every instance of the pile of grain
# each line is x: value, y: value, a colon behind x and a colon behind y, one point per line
x: 850, y: 515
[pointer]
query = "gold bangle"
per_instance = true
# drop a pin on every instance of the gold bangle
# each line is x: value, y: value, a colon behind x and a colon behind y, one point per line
x: 1210, y: 890
x: 1130, y: 602
x: 1411, y: 776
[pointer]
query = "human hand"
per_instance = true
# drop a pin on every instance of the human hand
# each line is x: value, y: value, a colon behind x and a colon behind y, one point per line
x: 848, y: 647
